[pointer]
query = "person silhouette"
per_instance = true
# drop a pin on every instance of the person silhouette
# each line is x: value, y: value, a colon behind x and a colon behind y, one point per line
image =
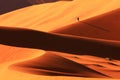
x: 78, y: 18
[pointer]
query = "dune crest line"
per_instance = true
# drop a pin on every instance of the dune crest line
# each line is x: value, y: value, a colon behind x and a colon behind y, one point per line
x: 20, y: 37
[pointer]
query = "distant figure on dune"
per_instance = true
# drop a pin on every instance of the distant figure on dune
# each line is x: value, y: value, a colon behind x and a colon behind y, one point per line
x: 78, y: 19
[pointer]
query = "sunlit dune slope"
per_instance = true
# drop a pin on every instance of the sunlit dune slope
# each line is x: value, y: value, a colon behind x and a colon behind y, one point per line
x: 61, y: 64
x: 48, y: 17
x: 52, y: 64
x: 104, y: 26
x: 7, y: 5
x: 13, y: 54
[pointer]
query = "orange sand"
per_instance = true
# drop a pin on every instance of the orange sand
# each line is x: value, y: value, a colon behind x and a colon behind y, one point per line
x: 49, y: 17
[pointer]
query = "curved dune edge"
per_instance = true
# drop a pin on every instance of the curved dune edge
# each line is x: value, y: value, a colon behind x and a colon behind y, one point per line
x: 8, y: 18
x: 61, y: 64
x: 59, y: 42
x: 104, y: 26
x: 50, y: 71
x: 68, y: 12
x: 8, y: 6
x: 54, y: 65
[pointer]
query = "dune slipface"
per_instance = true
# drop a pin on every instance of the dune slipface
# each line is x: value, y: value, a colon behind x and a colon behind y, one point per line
x: 28, y: 38
x: 96, y: 66
x: 55, y: 65
x: 21, y: 38
x: 104, y: 66
x: 104, y: 26
x: 62, y: 64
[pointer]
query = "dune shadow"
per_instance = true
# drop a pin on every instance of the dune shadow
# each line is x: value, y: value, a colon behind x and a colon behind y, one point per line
x: 51, y: 64
x: 90, y: 40
x: 104, y: 26
x: 86, y: 38
x: 28, y: 38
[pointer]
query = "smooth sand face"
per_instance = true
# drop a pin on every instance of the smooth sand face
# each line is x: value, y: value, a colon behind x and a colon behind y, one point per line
x: 52, y: 64
x: 7, y: 5
x: 104, y: 26
x: 54, y: 17
x: 48, y: 17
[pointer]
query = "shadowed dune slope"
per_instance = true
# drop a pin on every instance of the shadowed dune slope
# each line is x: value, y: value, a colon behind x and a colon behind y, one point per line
x: 28, y: 38
x: 49, y: 17
x: 105, y: 66
x: 28, y: 18
x: 52, y: 64
x: 105, y: 26
x: 62, y: 64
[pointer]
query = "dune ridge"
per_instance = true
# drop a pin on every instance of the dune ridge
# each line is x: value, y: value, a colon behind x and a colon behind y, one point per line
x: 71, y: 10
x: 22, y: 40
x: 28, y: 38
x: 7, y: 5
x: 104, y: 26
x: 41, y: 66
x: 56, y: 63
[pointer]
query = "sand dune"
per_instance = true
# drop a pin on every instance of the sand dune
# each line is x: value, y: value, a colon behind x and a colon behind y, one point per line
x: 102, y: 65
x: 28, y: 18
x: 31, y: 38
x: 7, y: 5
x: 28, y: 38
x: 48, y: 17
x: 62, y: 64
x: 55, y: 65
x: 104, y: 26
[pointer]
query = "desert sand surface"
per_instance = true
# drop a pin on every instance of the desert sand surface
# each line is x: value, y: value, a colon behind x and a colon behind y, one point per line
x: 78, y: 45
x: 49, y: 18
x: 7, y: 5
x: 107, y: 24
x: 59, y: 65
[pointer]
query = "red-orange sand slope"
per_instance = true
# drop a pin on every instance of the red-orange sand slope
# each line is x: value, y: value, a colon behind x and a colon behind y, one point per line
x: 50, y: 17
